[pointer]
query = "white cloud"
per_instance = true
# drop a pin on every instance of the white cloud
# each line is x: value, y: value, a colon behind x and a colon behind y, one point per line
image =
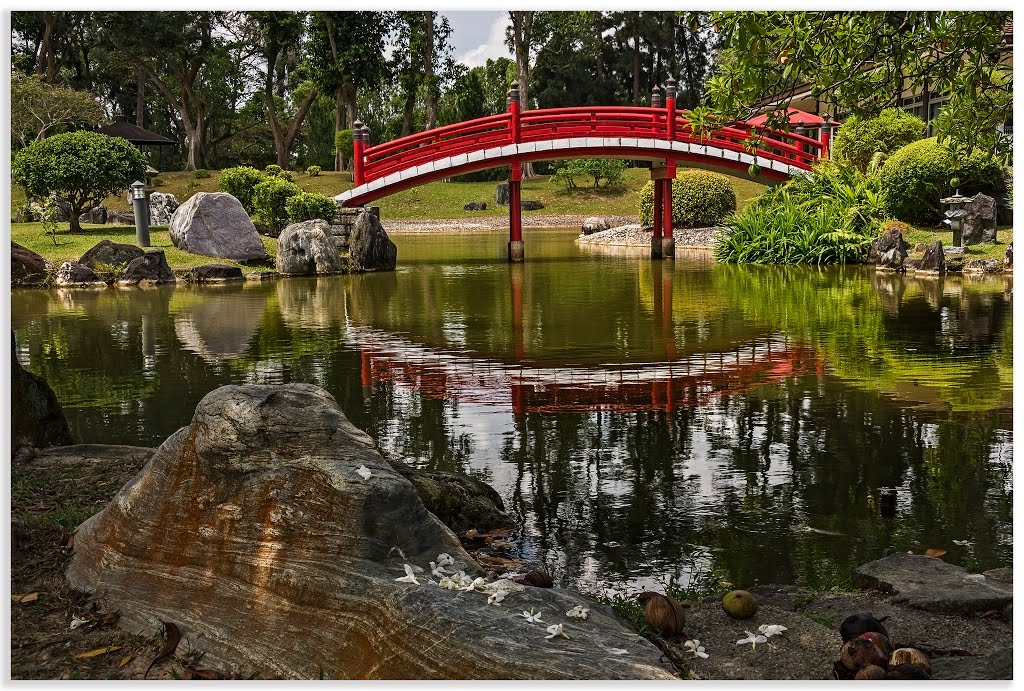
x: 493, y: 48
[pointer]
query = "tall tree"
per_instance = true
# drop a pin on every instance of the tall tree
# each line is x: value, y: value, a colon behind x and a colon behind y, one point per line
x: 278, y: 34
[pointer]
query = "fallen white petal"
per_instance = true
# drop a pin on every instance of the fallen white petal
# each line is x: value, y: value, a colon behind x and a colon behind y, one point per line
x: 409, y: 577
x: 770, y: 630
x: 364, y: 472
x: 76, y: 622
x: 496, y: 598
x: 617, y: 651
x: 556, y: 630
x: 752, y: 638
x: 444, y: 559
x: 578, y: 612
x: 398, y: 549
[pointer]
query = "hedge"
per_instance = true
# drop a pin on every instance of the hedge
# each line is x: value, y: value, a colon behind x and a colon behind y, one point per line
x: 699, y: 199
x: 240, y: 183
x: 308, y: 206
x: 859, y: 139
x: 270, y: 199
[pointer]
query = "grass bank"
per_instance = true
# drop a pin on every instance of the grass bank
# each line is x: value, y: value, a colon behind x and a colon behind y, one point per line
x: 988, y: 250
x: 436, y: 200
x: 71, y: 246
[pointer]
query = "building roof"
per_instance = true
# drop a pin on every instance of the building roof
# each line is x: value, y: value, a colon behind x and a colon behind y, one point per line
x: 135, y: 134
x: 796, y: 117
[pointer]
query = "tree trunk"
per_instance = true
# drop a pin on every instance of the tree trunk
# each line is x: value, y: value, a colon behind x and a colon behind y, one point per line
x: 599, y: 65
x: 140, y: 98
x: 636, y: 65
x: 47, y: 63
x: 428, y: 61
x: 410, y: 103
x: 339, y: 125
x: 522, y: 26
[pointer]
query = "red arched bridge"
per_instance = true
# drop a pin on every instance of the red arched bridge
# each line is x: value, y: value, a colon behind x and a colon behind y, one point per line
x: 657, y: 133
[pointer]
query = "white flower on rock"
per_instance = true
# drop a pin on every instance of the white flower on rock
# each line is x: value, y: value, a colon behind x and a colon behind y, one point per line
x: 444, y: 559
x: 578, y: 612
x: 556, y: 630
x: 76, y: 622
x: 448, y: 583
x: 364, y: 472
x: 409, y: 577
x: 753, y: 639
x: 475, y: 584
x: 531, y: 617
x: 496, y: 598
x: 437, y: 570
x: 695, y: 648
x: 770, y: 630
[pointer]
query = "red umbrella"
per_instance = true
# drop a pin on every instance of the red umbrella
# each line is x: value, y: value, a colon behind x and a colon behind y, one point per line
x: 796, y: 117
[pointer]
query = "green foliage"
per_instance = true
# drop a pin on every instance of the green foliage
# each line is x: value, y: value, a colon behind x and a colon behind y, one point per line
x: 957, y: 54
x: 80, y: 168
x: 699, y: 199
x: 598, y: 169
x: 343, y: 143
x: 47, y: 217
x: 273, y: 169
x: 270, y: 200
x: 859, y: 139
x: 313, y: 171
x: 917, y: 176
x: 307, y: 206
x: 200, y: 174
x: 827, y: 217
x: 240, y: 182
x: 37, y: 107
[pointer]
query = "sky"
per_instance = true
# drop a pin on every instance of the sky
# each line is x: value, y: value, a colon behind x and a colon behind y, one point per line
x: 477, y: 36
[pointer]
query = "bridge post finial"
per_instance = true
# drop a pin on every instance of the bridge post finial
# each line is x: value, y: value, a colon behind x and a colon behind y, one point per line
x: 513, y: 93
x: 366, y: 135
x: 656, y: 97
x: 670, y: 88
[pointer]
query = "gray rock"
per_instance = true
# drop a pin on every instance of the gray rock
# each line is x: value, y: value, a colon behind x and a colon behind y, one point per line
x: 983, y: 266
x: 595, y: 224
x: 214, y: 224
x: 475, y: 206
x: 96, y: 215
x: 27, y: 267
x: 934, y: 259
x: 459, y: 501
x: 307, y: 248
x: 256, y: 515
x: 150, y: 267
x: 890, y: 250
x: 996, y: 665
x: 73, y: 274
x: 121, y: 218
x: 530, y: 205
x: 162, y: 206
x: 1003, y: 574
x: 931, y: 584
x: 215, y: 273
x: 951, y: 252
x: 106, y: 255
x: 369, y: 245
x: 920, y: 247
x: 36, y: 416
x: 979, y: 225
x: 501, y: 194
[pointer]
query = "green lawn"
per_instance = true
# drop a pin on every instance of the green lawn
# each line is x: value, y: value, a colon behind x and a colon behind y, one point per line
x: 70, y: 246
x: 437, y: 200
x: 988, y: 250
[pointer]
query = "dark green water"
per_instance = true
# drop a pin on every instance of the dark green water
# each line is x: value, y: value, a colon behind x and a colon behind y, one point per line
x: 642, y: 419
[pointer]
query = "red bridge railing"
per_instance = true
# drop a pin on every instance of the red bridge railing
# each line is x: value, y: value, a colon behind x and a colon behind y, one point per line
x: 516, y: 127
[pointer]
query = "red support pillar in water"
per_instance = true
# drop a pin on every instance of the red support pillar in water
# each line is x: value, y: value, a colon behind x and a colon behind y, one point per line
x: 516, y: 248
x: 656, y: 234
x: 516, y: 281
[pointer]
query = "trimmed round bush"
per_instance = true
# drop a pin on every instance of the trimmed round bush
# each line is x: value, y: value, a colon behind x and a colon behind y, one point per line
x: 270, y: 200
x: 313, y: 171
x: 80, y: 168
x: 272, y: 169
x: 700, y: 199
x: 917, y: 176
x: 859, y: 139
x: 200, y: 174
x: 308, y: 206
x: 240, y: 183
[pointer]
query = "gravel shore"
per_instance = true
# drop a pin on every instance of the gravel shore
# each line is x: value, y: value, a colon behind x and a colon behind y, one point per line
x: 475, y: 224
x: 632, y: 235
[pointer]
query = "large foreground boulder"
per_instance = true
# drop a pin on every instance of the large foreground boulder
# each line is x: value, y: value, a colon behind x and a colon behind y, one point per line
x: 934, y: 259
x: 273, y: 535
x: 37, y: 416
x: 151, y: 267
x: 27, y: 267
x: 307, y: 248
x: 369, y: 245
x: 890, y: 250
x: 214, y: 224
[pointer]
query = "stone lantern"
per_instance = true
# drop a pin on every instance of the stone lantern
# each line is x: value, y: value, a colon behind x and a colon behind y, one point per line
x: 955, y: 215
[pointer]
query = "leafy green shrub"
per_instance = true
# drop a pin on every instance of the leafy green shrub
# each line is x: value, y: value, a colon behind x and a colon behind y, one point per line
x: 859, y: 139
x: 598, y: 169
x: 699, y: 199
x: 80, y: 168
x: 917, y: 176
x: 286, y: 175
x: 343, y: 143
x: 200, y: 174
x: 240, y: 183
x: 270, y: 199
x: 273, y: 170
x: 157, y: 181
x: 827, y: 217
x: 313, y: 171
x: 307, y: 206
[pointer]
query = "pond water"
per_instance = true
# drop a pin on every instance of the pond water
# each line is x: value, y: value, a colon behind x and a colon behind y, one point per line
x: 645, y: 420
